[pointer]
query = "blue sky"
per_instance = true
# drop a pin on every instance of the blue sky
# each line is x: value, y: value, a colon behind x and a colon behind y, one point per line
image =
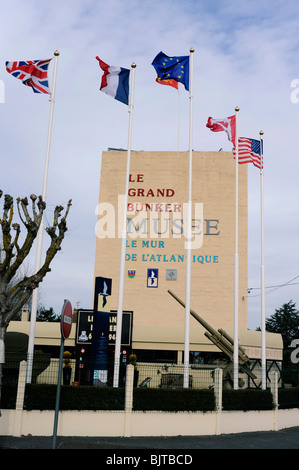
x: 246, y: 54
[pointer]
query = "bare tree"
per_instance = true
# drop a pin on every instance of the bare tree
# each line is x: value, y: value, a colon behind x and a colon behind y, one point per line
x: 13, y: 295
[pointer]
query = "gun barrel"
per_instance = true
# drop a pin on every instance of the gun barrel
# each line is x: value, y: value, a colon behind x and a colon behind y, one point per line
x: 230, y: 339
x: 218, y: 337
x: 209, y: 328
x: 195, y: 315
x: 242, y: 354
x: 220, y: 345
x: 243, y: 367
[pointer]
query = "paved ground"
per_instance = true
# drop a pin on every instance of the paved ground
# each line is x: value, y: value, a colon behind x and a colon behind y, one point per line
x: 283, y: 439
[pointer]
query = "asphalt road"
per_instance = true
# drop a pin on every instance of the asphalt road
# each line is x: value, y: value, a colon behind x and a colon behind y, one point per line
x: 283, y: 439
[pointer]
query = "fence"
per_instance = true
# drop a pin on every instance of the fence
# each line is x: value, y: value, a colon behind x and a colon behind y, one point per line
x: 165, y: 380
x: 129, y: 419
x: 152, y: 375
x: 167, y: 385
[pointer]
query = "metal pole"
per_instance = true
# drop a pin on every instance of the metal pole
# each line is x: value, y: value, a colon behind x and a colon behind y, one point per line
x: 40, y: 233
x: 263, y: 325
x: 236, y: 278
x: 123, y: 244
x: 58, y: 393
x: 179, y: 116
x: 189, y: 232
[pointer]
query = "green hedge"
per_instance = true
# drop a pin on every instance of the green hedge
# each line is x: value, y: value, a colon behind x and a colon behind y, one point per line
x: 288, y: 398
x: 146, y: 399
x: 43, y: 397
x: 246, y: 400
x: 9, y: 396
x: 290, y: 375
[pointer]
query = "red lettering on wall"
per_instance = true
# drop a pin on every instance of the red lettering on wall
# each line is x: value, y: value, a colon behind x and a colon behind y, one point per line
x: 139, y: 178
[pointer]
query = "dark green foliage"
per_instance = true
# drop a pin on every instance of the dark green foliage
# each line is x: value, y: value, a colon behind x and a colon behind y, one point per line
x: 285, y: 321
x: 173, y: 400
x: 49, y: 315
x: 288, y: 398
x: 247, y: 399
x: 92, y: 398
x: 43, y: 397
x: 9, y: 396
x: 290, y: 375
x: 40, y: 397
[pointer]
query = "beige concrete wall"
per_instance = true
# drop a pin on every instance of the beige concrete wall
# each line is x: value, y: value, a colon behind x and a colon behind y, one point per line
x: 155, y: 423
x: 46, y: 333
x: 169, y: 337
x: 212, y: 282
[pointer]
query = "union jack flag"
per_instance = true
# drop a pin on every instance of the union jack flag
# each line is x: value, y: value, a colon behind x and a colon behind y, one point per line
x: 33, y: 73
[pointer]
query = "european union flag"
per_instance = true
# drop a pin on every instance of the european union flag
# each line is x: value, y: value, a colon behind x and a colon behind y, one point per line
x: 176, y: 68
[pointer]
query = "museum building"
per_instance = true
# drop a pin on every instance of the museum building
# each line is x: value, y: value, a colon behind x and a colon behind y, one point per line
x: 156, y: 257
x: 156, y: 253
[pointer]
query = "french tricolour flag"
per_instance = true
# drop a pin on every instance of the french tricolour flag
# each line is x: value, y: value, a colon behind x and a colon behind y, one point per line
x: 115, y: 81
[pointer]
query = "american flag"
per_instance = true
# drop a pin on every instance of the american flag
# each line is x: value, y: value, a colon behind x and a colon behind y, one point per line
x: 249, y: 152
x: 33, y: 73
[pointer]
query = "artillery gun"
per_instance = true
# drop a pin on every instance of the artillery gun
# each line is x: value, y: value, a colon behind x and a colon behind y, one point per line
x: 222, y: 340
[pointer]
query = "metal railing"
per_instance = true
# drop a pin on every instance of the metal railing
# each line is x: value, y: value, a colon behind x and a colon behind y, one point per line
x: 146, y: 387
x: 153, y: 375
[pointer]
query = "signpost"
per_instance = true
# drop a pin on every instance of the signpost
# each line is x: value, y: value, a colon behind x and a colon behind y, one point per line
x: 66, y: 319
x: 65, y: 327
x: 100, y: 337
x: 85, y: 327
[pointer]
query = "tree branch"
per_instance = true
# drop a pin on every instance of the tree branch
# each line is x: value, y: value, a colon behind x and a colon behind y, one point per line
x: 32, y: 225
x: 12, y: 298
x: 6, y: 236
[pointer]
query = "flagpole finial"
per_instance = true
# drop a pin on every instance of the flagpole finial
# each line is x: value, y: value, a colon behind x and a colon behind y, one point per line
x: 133, y: 65
x: 261, y: 133
x: 192, y: 50
x: 237, y: 108
x: 56, y: 53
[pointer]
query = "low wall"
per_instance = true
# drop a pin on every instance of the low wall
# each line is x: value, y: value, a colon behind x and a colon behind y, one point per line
x: 151, y: 423
x: 128, y: 423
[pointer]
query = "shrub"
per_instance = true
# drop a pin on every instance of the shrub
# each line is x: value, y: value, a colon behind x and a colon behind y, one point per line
x: 43, y: 397
x: 173, y: 400
x: 288, y: 398
x: 248, y: 399
x: 9, y: 396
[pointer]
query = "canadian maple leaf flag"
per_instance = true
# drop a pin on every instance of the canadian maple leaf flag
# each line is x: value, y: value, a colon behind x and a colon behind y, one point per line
x: 227, y: 124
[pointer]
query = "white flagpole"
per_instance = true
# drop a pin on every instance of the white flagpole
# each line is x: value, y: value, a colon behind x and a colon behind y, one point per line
x: 179, y: 119
x: 189, y: 232
x: 236, y: 286
x: 40, y: 233
x: 263, y: 324
x: 123, y: 244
